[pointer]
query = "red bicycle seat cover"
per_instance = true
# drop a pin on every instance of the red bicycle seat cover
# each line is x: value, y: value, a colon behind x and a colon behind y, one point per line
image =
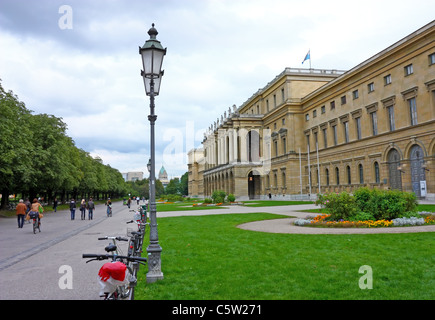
x: 116, y: 270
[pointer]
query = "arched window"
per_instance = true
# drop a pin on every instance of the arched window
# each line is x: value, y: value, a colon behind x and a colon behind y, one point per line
x: 361, y: 173
x: 327, y: 176
x: 337, y: 175
x: 349, y: 179
x: 377, y: 175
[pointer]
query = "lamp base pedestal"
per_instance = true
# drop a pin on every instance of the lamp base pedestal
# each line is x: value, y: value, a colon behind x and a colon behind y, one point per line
x: 154, y: 264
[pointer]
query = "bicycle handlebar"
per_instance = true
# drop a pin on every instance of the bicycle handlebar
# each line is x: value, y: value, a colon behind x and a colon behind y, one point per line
x: 111, y: 256
x: 111, y: 238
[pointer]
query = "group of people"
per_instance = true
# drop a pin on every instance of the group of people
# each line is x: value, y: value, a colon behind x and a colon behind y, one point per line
x: 83, y: 206
x: 24, y: 208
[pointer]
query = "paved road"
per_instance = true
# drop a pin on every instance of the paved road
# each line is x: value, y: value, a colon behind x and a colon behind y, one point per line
x: 30, y: 263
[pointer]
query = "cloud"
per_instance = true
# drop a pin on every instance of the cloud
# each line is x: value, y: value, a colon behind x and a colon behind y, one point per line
x: 220, y: 52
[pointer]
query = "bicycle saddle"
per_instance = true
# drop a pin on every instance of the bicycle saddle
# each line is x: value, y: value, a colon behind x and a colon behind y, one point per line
x: 110, y: 248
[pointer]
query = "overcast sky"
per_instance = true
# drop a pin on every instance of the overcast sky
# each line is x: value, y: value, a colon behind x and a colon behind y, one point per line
x: 81, y: 62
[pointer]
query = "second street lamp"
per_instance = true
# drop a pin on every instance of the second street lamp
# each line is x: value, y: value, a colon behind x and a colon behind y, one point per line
x: 152, y: 54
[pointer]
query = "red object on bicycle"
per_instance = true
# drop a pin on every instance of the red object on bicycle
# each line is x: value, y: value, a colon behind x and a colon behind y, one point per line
x: 116, y: 270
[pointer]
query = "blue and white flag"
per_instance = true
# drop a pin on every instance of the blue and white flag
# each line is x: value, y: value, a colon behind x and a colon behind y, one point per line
x: 306, y: 57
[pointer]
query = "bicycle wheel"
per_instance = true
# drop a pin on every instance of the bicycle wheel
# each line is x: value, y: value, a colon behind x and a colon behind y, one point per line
x: 35, y: 223
x: 125, y: 291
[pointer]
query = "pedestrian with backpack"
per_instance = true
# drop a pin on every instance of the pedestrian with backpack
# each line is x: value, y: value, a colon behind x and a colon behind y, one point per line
x: 72, y: 208
x: 91, y: 208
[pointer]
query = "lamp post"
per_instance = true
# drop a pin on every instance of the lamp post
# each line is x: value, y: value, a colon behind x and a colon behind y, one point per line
x: 152, y: 54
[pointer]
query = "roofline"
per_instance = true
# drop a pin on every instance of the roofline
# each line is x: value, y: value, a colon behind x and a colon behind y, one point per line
x: 375, y: 57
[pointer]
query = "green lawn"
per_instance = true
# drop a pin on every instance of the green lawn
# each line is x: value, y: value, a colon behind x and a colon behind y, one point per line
x: 207, y: 257
x: 183, y: 206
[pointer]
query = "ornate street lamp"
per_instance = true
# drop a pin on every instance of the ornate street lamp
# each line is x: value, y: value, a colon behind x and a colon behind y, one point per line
x: 152, y: 54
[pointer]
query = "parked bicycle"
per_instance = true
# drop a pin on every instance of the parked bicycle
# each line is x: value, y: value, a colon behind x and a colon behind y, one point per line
x: 116, y: 278
x: 114, y: 239
x: 135, y: 243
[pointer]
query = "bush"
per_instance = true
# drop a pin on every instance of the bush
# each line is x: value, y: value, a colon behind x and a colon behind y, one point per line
x: 218, y: 196
x: 369, y: 204
x: 385, y: 204
x: 362, y: 216
x: 173, y: 197
x: 231, y: 198
x: 207, y: 200
x: 339, y: 206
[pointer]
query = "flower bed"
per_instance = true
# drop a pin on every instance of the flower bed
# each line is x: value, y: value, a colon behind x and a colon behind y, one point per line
x: 322, y: 221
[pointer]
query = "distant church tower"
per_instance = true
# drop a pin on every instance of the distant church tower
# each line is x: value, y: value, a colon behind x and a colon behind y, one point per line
x: 163, y: 177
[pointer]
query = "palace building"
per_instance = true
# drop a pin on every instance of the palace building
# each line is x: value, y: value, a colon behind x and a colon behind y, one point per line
x: 312, y: 131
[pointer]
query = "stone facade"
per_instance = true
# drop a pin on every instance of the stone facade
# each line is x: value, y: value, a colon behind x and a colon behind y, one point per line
x: 309, y: 131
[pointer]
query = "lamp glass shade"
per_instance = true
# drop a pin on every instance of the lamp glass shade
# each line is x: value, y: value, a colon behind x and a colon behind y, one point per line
x: 147, y: 84
x: 152, y: 59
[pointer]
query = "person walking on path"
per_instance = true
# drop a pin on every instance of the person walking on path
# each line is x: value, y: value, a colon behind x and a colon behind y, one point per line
x: 28, y: 205
x: 72, y: 208
x: 109, y: 207
x: 21, y: 212
x: 83, y: 209
x: 55, y: 203
x: 91, y: 208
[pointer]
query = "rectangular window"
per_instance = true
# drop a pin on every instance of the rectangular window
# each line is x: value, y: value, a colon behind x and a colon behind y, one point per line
x: 308, y: 141
x: 284, y: 146
x: 314, y: 113
x: 358, y: 128
x: 343, y: 100
x: 322, y: 109
x: 325, y: 138
x: 332, y: 105
x: 307, y: 117
x: 371, y: 87
x: 355, y: 94
x: 432, y: 59
x: 276, y: 148
x: 334, y: 129
x: 387, y: 79
x: 346, y: 131
x: 413, y: 111
x: 267, y: 105
x: 274, y: 100
x: 282, y: 95
x: 391, y: 123
x: 374, y: 119
x: 409, y: 70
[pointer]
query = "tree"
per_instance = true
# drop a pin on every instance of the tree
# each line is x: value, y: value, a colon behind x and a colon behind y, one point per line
x: 173, y: 186
x: 184, y: 184
x: 38, y: 158
x: 14, y: 132
x: 47, y: 151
